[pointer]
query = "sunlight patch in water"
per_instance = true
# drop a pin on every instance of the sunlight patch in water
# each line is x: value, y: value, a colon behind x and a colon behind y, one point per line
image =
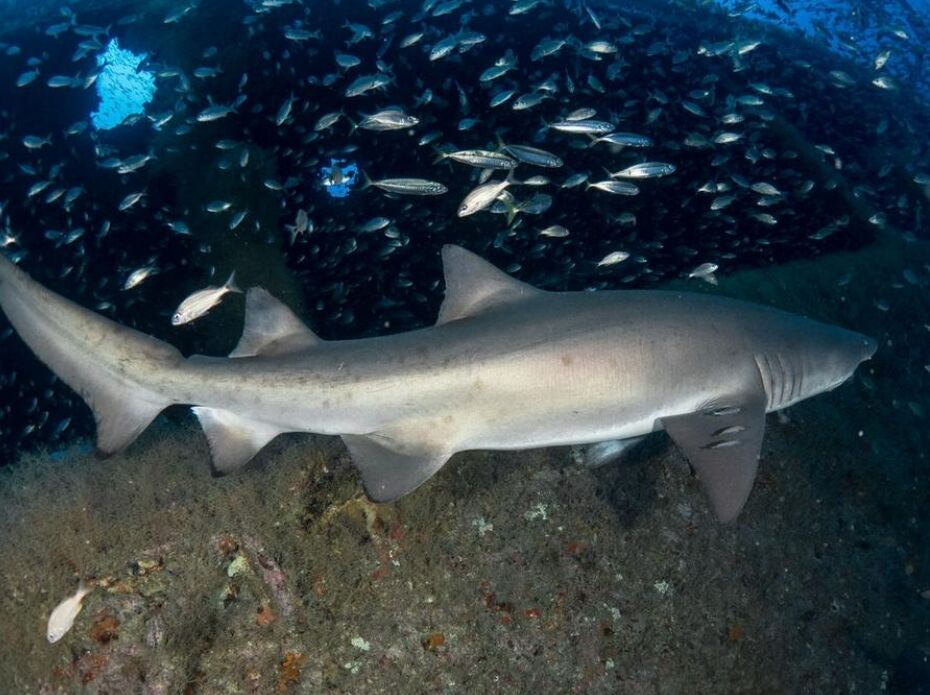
x: 123, y: 89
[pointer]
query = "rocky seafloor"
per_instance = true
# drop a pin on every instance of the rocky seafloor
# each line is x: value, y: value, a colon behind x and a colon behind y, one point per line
x: 508, y: 572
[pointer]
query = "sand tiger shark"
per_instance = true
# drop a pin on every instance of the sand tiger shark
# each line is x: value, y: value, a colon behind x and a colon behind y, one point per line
x: 506, y: 366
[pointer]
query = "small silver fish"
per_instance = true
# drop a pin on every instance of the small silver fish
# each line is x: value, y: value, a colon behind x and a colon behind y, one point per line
x: 409, y: 186
x: 202, y: 301
x: 482, y: 197
x: 615, y: 187
x: 555, y: 231
x: 136, y: 277
x: 705, y: 272
x: 130, y: 199
x: 483, y: 159
x: 613, y: 258
x: 582, y: 126
x: 644, y: 170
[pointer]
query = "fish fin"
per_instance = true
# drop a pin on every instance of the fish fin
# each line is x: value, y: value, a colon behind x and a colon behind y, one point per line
x: 440, y: 156
x: 233, y: 440
x: 271, y: 328
x: 602, y: 453
x: 723, y: 442
x: 83, y: 589
x: 473, y: 284
x: 512, y: 209
x: 123, y: 405
x: 231, y: 283
x: 390, y: 468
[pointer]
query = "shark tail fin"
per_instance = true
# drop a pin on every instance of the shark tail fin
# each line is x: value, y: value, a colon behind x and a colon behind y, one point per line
x: 105, y: 363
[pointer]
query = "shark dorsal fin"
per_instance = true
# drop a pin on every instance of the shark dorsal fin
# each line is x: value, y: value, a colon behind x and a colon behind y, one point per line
x: 271, y: 328
x: 473, y: 284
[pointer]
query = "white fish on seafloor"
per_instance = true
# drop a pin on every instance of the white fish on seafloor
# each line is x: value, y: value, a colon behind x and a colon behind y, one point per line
x: 201, y: 301
x: 62, y: 617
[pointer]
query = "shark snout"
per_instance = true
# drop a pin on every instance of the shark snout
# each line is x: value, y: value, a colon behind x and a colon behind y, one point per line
x: 866, y: 347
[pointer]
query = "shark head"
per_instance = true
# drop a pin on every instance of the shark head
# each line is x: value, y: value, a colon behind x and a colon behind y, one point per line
x: 841, y: 352
x: 819, y: 358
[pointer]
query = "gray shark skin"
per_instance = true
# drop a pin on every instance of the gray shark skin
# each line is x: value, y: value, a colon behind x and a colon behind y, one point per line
x: 507, y: 366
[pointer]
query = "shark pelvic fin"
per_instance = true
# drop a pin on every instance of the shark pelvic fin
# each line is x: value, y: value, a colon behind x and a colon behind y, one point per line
x: 233, y: 440
x: 120, y: 418
x: 473, y: 284
x: 602, y: 453
x: 271, y: 328
x: 390, y: 469
x: 723, y: 442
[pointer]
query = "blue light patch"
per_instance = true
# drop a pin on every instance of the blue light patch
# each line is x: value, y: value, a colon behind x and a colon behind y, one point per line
x: 339, y: 177
x: 122, y: 88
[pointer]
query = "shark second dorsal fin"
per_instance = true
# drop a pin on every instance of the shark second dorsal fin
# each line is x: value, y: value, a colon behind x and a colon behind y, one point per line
x: 271, y: 328
x: 473, y: 284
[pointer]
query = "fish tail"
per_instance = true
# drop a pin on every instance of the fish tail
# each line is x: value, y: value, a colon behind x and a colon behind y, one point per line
x: 119, y: 372
x: 231, y: 283
x: 366, y: 182
x: 512, y: 210
x: 440, y: 155
x: 501, y: 145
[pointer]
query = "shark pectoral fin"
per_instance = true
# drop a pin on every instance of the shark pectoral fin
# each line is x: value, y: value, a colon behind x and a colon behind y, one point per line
x: 271, y: 328
x: 723, y: 443
x: 390, y: 469
x: 473, y: 284
x: 233, y: 440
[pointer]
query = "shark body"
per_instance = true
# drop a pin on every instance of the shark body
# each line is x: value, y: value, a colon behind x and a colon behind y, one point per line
x: 507, y: 366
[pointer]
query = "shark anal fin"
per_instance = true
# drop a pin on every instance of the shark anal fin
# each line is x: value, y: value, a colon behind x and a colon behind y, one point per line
x: 390, y: 469
x: 233, y: 440
x: 473, y: 284
x: 723, y: 442
x: 271, y: 328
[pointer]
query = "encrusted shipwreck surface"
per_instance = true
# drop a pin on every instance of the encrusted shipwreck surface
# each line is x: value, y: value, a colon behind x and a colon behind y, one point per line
x: 508, y: 572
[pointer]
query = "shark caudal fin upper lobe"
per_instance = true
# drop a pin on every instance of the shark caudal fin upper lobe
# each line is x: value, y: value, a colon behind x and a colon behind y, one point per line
x: 105, y: 363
